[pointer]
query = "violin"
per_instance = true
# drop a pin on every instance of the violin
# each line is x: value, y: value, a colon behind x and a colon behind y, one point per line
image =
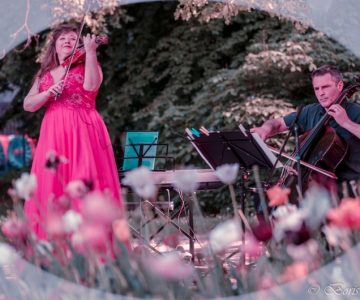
x: 79, y: 54
x: 320, y: 147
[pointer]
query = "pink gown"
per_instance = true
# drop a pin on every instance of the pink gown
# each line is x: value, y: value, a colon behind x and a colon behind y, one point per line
x: 74, y: 129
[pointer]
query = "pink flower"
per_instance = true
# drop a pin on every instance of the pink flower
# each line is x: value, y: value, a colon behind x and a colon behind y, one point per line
x: 91, y: 237
x: 252, y: 247
x: 53, y: 160
x: 337, y: 236
x: 76, y: 189
x: 295, y: 271
x: 169, y: 266
x: 121, y: 230
x: 99, y: 209
x: 60, y: 204
x: 262, y: 230
x: 55, y: 225
x: 171, y: 240
x: 13, y: 228
x: 347, y: 215
x: 278, y: 196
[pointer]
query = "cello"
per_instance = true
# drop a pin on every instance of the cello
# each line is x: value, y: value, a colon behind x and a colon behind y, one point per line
x: 320, y: 146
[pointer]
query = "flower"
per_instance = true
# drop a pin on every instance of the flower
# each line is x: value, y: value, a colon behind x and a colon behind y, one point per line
x: 7, y: 254
x: 227, y: 173
x: 262, y: 230
x: 121, y: 230
x: 76, y: 189
x: 315, y: 206
x: 171, y: 240
x: 278, y: 196
x: 141, y: 182
x: 297, y: 236
x: 55, y: 225
x: 60, y: 204
x: 252, y: 247
x: 169, y: 266
x: 91, y: 237
x: 292, y: 222
x: 77, y: 241
x: 99, y: 209
x: 295, y: 271
x: 14, y: 228
x: 304, y: 252
x: 53, y: 160
x: 72, y: 220
x: 337, y: 236
x: 284, y: 210
x: 224, y: 234
x: 25, y: 186
x: 185, y: 180
x: 347, y: 215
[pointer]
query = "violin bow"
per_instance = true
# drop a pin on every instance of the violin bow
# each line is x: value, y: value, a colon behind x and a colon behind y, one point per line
x: 304, y: 163
x: 75, y: 47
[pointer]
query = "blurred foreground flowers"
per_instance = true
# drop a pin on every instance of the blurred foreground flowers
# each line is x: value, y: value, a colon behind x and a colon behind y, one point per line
x: 92, y: 244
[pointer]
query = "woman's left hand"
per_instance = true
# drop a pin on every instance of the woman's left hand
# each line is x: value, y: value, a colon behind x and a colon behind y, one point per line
x: 89, y: 43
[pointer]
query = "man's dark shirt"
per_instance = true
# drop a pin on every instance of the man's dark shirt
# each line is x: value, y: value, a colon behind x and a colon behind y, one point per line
x: 349, y: 168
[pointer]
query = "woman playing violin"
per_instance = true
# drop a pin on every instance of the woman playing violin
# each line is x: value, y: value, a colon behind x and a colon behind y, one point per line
x: 328, y: 84
x: 71, y: 127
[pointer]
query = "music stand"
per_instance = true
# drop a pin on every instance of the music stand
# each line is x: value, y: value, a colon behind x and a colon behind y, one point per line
x: 229, y: 147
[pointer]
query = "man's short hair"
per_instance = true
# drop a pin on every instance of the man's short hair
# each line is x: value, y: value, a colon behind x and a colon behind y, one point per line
x: 328, y: 69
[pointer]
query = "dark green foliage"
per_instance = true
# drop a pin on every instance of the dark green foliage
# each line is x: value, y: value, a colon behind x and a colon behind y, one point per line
x: 166, y: 75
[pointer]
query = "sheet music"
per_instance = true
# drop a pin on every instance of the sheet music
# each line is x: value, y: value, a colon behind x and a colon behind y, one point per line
x: 257, y: 141
x: 266, y: 150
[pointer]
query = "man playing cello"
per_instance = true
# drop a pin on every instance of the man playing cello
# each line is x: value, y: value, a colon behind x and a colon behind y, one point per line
x: 328, y: 84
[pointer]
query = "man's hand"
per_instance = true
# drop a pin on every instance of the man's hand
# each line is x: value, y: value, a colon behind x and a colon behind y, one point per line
x: 339, y: 114
x: 270, y: 128
x: 262, y: 131
x: 341, y: 117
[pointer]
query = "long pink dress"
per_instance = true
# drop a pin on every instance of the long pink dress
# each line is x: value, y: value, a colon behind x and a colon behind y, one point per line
x: 74, y: 129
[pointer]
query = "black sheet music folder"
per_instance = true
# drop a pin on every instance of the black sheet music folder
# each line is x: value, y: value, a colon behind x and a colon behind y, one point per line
x: 229, y: 147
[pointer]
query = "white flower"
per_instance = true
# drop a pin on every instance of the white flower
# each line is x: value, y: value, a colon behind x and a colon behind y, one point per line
x: 337, y: 236
x: 284, y: 210
x: 290, y: 222
x: 141, y: 182
x: 72, y: 220
x: 170, y: 266
x: 227, y: 173
x: 25, y: 186
x: 76, y: 189
x: 185, y: 180
x: 7, y: 254
x: 303, y: 252
x: 315, y: 206
x: 224, y: 234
